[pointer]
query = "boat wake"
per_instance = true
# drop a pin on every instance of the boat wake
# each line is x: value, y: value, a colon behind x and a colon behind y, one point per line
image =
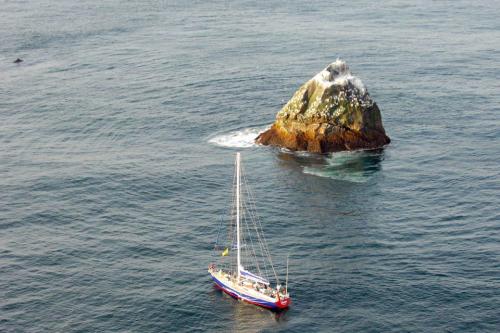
x: 244, y: 138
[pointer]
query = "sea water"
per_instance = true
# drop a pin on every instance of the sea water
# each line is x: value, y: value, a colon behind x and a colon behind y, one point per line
x: 117, y: 145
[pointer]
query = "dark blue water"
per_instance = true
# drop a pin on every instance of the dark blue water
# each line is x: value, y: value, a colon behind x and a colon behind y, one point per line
x: 118, y: 134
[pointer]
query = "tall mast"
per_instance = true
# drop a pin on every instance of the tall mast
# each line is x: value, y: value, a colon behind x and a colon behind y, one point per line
x: 238, y: 210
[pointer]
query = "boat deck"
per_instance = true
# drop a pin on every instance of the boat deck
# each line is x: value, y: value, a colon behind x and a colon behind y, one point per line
x: 249, y: 291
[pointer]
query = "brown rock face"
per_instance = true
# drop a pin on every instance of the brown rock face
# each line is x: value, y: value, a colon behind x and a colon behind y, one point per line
x: 331, y: 112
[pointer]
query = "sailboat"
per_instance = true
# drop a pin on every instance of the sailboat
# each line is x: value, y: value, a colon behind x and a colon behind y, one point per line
x: 244, y: 262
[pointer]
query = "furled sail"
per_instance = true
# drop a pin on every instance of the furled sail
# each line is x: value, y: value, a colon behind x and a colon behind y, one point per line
x: 253, y: 277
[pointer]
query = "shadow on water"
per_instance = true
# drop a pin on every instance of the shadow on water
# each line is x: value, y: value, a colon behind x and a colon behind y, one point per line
x: 247, y: 317
x: 351, y: 166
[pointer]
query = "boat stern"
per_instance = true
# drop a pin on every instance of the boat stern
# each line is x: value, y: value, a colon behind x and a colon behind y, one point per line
x: 283, y: 303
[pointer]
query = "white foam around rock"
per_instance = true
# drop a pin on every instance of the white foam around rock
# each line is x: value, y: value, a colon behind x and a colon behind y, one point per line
x: 243, y: 138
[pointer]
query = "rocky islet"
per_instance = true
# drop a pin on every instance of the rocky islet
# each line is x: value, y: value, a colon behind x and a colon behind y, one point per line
x: 331, y: 112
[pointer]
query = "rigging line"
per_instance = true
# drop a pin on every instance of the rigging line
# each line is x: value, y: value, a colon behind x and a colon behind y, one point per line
x: 251, y: 239
x: 252, y: 201
x: 262, y: 247
x: 243, y: 247
x: 256, y: 257
x: 259, y: 223
x: 225, y: 260
x: 262, y: 243
x: 246, y: 247
x: 257, y: 261
x: 227, y: 211
x: 248, y: 216
x: 230, y: 232
x: 233, y: 204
